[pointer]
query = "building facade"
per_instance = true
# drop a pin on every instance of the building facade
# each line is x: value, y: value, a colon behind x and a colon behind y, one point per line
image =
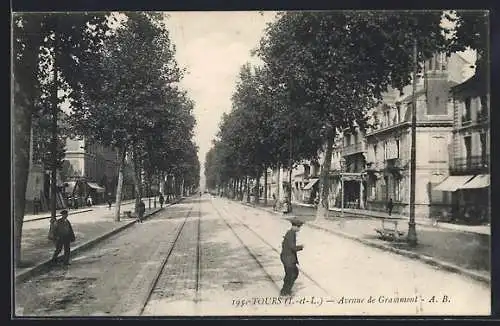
x: 89, y: 169
x: 469, y: 180
x: 388, y: 143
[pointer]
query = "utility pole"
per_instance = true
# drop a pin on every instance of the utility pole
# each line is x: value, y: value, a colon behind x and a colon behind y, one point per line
x: 290, y: 167
x: 53, y: 176
x: 412, y: 232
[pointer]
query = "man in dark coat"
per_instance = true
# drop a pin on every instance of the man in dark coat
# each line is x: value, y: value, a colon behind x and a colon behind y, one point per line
x: 162, y: 200
x: 390, y: 205
x: 141, y: 208
x: 288, y: 257
x: 63, y: 235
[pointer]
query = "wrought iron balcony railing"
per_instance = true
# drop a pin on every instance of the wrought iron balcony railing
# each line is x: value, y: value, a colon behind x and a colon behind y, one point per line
x: 471, y: 164
x: 358, y: 147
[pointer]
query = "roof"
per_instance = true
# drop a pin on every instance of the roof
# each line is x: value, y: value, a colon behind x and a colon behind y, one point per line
x: 478, y: 82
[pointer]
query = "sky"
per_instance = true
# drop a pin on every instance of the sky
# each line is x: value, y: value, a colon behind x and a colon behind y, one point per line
x: 213, y: 46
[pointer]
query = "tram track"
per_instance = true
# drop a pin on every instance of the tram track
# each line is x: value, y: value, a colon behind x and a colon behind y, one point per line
x: 247, y: 248
x: 153, y: 285
x: 273, y: 248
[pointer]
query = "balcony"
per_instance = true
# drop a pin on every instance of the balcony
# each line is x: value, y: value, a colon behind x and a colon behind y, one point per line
x: 470, y: 165
x: 358, y: 147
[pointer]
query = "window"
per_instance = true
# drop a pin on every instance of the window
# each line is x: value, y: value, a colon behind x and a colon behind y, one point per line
x: 375, y: 152
x: 443, y: 61
x: 466, y: 113
x: 397, y: 190
x: 397, y: 148
x: 482, y: 110
x: 385, y: 150
x: 482, y: 138
x: 467, y: 143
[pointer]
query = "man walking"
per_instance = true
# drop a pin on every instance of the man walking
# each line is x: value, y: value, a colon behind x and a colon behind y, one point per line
x: 109, y: 200
x: 141, y: 208
x: 63, y: 235
x: 389, y: 206
x: 162, y: 200
x: 288, y: 257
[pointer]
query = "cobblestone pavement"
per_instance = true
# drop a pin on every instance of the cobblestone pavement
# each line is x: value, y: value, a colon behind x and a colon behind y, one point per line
x: 349, y: 268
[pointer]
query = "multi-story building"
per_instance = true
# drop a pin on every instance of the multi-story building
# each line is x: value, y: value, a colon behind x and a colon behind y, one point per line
x: 354, y: 156
x: 469, y: 180
x: 38, y: 189
x: 89, y: 169
x: 388, y: 143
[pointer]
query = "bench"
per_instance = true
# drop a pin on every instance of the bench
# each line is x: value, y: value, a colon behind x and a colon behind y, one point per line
x: 390, y: 232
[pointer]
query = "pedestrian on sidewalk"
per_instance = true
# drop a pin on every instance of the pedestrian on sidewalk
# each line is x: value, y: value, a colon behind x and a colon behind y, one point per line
x: 63, y: 236
x: 390, y: 205
x: 162, y: 200
x: 109, y: 200
x: 141, y: 208
x: 289, y: 258
x: 275, y: 202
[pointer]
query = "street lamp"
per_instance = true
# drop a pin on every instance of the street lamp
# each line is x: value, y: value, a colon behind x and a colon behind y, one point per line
x: 412, y: 233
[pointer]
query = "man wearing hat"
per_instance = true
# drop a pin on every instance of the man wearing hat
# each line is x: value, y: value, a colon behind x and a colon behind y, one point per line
x: 63, y: 236
x: 288, y: 256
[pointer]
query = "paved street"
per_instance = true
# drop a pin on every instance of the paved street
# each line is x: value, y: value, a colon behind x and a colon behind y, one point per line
x: 466, y: 248
x: 222, y: 258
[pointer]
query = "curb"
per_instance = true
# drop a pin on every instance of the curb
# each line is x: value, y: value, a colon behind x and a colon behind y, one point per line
x: 426, y: 259
x: 47, y: 217
x: 40, y: 267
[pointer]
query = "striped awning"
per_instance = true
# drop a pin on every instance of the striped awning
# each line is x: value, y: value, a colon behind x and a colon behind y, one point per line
x: 479, y: 181
x: 95, y: 186
x: 453, y: 183
x: 311, y: 183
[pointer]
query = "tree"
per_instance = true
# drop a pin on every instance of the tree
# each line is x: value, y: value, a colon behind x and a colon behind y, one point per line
x: 318, y: 71
x: 126, y: 91
x: 33, y: 37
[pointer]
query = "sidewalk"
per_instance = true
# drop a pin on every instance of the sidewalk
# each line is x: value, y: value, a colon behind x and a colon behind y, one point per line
x: 71, y: 211
x: 90, y: 227
x: 480, y: 229
x: 459, y: 251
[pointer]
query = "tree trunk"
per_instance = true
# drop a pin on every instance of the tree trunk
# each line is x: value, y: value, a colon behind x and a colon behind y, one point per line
x: 257, y: 187
x: 149, y: 192
x: 247, y: 185
x: 322, y: 212
x: 234, y: 190
x: 137, y: 186
x: 278, y: 183
x: 21, y: 150
x: 241, y: 186
x: 265, y: 185
x: 119, y: 186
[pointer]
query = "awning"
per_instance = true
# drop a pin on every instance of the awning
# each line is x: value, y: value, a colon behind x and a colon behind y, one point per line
x: 311, y: 183
x: 95, y: 186
x: 453, y: 182
x: 479, y: 181
x: 71, y: 186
